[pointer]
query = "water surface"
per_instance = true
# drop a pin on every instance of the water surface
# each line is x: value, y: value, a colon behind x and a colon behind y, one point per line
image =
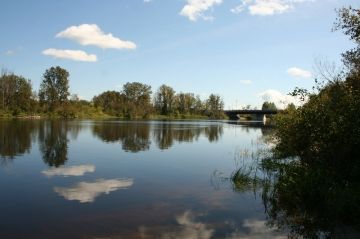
x: 119, y: 179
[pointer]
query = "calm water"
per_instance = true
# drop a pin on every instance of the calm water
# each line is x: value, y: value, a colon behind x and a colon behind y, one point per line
x: 110, y: 179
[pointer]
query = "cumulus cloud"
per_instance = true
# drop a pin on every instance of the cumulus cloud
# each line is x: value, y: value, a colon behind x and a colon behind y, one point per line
x: 246, y: 82
x: 267, y: 7
x: 85, y: 192
x: 297, y: 72
x: 91, y: 34
x: 79, y: 170
x: 194, y: 9
x: 75, y: 55
x: 280, y: 100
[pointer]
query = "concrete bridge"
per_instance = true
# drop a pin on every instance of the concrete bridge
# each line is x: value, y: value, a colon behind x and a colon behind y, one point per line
x: 260, y: 114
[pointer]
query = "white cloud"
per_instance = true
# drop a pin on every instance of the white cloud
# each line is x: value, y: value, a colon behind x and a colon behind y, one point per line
x: 79, y: 170
x: 280, y: 100
x: 87, y: 192
x: 75, y: 55
x: 194, y: 9
x: 146, y: 1
x: 246, y: 82
x: 297, y: 72
x: 9, y: 52
x: 240, y: 8
x: 267, y: 7
x: 91, y: 34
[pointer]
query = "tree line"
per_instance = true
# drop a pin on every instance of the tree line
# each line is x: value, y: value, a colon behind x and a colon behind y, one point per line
x: 135, y: 100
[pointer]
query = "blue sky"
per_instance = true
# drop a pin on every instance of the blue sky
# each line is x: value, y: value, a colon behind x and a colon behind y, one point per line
x: 246, y: 51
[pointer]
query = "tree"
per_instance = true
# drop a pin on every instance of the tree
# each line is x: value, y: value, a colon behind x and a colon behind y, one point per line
x: 268, y: 106
x: 349, y: 21
x: 185, y: 103
x: 214, y: 107
x: 16, y: 93
x: 111, y: 102
x: 54, y: 89
x: 327, y: 125
x: 164, y: 100
x: 137, y: 97
x: 137, y: 93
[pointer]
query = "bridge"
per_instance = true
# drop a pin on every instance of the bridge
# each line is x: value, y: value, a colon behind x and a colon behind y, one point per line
x: 261, y: 114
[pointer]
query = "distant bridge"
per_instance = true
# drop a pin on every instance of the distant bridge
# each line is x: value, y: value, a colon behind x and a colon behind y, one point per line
x: 261, y: 114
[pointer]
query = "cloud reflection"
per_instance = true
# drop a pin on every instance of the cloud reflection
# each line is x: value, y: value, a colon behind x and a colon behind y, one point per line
x: 189, y: 228
x: 85, y: 192
x: 256, y: 229
x: 79, y: 170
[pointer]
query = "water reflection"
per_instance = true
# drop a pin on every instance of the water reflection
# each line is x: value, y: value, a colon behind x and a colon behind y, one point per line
x: 53, y: 142
x: 86, y: 192
x: 79, y: 170
x: 167, y: 134
x: 188, y: 228
x: 187, y: 225
x: 301, y: 200
x: 134, y: 137
x: 312, y: 202
x: 15, y: 139
x: 253, y: 229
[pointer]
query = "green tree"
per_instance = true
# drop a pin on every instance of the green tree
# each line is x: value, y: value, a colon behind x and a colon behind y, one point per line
x: 185, y: 103
x: 111, y: 102
x: 16, y: 93
x: 138, y: 97
x: 54, y: 89
x: 268, y: 106
x: 164, y: 100
x: 325, y: 131
x: 349, y: 22
x: 214, y: 107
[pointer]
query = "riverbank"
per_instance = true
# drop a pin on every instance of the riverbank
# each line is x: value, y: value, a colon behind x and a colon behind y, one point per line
x: 97, y: 115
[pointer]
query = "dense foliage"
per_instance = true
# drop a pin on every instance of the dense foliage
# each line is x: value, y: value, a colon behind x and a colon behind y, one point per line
x: 268, y: 106
x: 135, y: 100
x: 313, y: 188
x: 16, y: 94
x: 54, y: 89
x: 327, y: 127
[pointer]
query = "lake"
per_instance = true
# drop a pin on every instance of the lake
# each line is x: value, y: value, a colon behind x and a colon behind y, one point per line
x: 128, y: 179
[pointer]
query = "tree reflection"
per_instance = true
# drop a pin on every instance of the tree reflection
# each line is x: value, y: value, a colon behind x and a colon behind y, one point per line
x: 312, y: 202
x: 305, y: 200
x: 134, y: 137
x: 15, y: 138
x: 53, y: 142
x: 214, y: 132
x: 168, y: 133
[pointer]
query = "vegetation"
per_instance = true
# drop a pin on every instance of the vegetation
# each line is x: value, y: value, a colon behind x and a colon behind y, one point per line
x: 16, y: 95
x: 327, y: 125
x: 310, y: 186
x: 269, y: 106
x: 313, y: 188
x: 134, y: 101
x: 54, y: 89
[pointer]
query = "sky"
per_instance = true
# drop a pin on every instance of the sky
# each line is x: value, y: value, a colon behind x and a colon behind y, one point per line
x: 246, y: 51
